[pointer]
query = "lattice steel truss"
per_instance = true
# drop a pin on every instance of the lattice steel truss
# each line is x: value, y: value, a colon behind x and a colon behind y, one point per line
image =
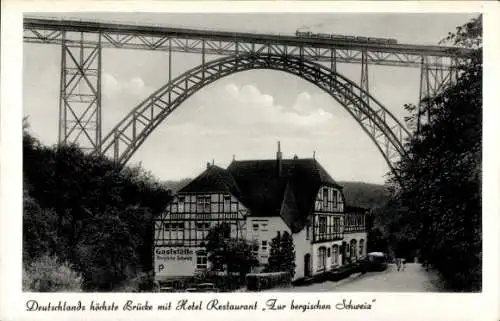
x: 80, y: 92
x: 384, y: 129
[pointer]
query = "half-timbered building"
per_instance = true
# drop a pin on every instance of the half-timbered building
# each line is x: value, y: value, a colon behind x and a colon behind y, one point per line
x: 258, y: 199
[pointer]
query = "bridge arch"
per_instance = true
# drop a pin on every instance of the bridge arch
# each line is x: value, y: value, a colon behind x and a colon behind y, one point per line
x: 377, y: 122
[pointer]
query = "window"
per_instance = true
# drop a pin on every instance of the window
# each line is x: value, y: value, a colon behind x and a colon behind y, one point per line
x: 203, y: 203
x: 264, y: 227
x: 353, y: 248
x: 335, y: 197
x: 308, y: 233
x: 202, y: 229
x: 335, y: 255
x: 325, y: 197
x: 180, y: 203
x: 201, y: 260
x: 322, y: 225
x: 227, y: 203
x: 336, y: 225
x: 203, y: 226
x: 255, y: 249
x: 321, y: 258
x: 173, y: 226
x: 255, y: 227
x: 264, y: 245
x: 328, y: 252
x: 361, y: 247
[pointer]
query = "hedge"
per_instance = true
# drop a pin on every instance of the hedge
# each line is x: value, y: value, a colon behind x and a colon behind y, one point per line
x: 261, y: 281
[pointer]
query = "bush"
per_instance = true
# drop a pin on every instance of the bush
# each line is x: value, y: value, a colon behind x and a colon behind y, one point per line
x: 142, y: 282
x: 47, y: 274
x: 261, y: 281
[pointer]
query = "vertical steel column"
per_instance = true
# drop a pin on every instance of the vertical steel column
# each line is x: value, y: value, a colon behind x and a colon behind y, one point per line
x: 170, y: 70
x: 203, y: 58
x: 364, y: 76
x: 423, y: 92
x: 365, y: 88
x: 434, y: 78
x: 80, y: 92
x: 62, y: 94
x: 333, y: 66
x: 98, y: 132
x: 333, y: 60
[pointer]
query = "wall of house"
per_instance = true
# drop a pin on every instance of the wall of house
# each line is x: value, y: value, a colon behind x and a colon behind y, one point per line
x: 329, y: 199
x: 186, y: 221
x: 302, y: 247
x: 328, y: 215
x: 348, y: 237
x: 317, y: 268
x: 261, y: 229
x: 181, y: 229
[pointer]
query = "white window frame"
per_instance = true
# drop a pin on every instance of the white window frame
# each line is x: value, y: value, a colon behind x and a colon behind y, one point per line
x: 201, y: 260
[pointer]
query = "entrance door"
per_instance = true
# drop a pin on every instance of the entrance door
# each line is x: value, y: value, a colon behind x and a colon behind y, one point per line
x: 307, y: 265
x: 344, y: 252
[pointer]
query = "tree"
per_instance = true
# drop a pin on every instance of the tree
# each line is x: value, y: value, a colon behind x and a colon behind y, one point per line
x: 105, y: 254
x: 84, y: 210
x: 282, y: 254
x: 440, y: 177
x: 235, y: 255
x: 287, y: 249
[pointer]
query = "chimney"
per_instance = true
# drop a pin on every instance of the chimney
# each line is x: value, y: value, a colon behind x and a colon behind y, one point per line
x: 295, y: 157
x: 208, y: 165
x: 279, y: 160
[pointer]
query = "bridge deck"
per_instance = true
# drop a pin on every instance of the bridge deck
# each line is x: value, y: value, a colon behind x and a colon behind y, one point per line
x: 250, y: 38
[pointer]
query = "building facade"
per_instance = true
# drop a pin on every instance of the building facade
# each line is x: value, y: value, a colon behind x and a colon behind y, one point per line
x: 258, y: 199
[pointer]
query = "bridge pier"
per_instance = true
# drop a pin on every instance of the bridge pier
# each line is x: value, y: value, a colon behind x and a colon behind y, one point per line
x: 435, y: 76
x: 80, y: 90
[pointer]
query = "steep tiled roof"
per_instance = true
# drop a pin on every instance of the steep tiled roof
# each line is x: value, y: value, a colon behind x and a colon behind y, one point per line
x: 264, y: 192
x: 213, y: 179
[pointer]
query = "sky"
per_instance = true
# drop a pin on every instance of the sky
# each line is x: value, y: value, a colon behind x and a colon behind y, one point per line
x: 243, y: 115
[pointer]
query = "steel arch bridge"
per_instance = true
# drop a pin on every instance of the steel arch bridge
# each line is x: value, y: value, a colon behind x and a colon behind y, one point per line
x: 81, y: 64
x: 382, y: 127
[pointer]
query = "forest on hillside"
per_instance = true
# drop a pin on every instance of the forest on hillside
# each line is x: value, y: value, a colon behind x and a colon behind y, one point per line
x: 87, y: 225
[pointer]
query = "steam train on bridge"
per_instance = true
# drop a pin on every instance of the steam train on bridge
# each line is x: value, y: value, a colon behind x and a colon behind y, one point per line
x: 308, y: 34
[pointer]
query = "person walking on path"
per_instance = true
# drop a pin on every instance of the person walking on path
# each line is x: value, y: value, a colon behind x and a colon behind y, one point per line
x: 398, y: 263
x: 404, y: 263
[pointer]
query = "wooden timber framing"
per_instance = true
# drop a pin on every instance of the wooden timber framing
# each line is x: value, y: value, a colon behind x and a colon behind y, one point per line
x: 188, y: 218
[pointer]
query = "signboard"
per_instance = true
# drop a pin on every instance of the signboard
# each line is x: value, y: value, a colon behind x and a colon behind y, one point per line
x: 175, y: 261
